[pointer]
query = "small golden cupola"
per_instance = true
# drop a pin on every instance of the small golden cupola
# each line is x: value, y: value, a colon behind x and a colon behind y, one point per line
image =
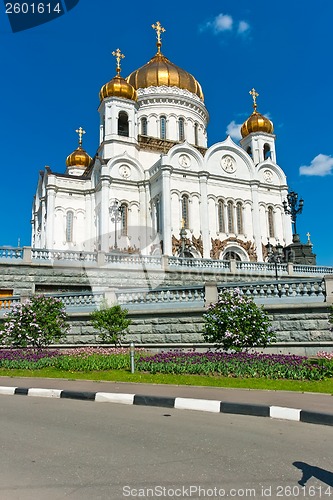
x: 256, y: 122
x: 118, y: 86
x: 79, y: 160
x: 160, y: 71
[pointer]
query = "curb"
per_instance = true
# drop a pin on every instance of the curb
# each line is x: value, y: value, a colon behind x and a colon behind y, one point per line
x: 213, y: 406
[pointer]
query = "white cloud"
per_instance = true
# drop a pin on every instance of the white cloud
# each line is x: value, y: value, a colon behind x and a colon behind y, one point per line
x: 243, y: 27
x: 223, y: 22
x: 233, y: 129
x: 321, y: 165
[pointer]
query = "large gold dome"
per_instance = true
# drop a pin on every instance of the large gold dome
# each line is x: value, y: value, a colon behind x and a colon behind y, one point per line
x: 256, y: 122
x: 160, y: 71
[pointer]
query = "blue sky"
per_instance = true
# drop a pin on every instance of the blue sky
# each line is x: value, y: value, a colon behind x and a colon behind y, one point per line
x: 51, y: 76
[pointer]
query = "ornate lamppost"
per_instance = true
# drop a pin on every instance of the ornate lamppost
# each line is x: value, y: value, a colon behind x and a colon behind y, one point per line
x: 115, y: 211
x: 293, y: 207
x: 275, y: 255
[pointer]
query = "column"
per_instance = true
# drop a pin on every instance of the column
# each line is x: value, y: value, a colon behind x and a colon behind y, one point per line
x: 104, y: 214
x: 256, y: 220
x: 204, y: 223
x: 49, y: 236
x: 166, y: 211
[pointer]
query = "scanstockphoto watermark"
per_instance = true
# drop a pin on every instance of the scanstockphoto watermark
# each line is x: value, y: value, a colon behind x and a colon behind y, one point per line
x: 194, y: 491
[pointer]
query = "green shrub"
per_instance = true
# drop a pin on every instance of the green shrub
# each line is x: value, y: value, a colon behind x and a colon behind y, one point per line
x: 236, y: 322
x: 111, y: 322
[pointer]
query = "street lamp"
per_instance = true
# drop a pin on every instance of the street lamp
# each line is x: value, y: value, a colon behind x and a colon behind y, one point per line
x: 293, y: 207
x: 275, y: 255
x: 115, y: 211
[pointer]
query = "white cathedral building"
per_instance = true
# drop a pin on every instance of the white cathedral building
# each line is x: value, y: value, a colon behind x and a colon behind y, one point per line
x: 154, y: 187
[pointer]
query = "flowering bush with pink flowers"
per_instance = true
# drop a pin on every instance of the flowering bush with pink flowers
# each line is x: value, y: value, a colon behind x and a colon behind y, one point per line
x: 235, y: 322
x: 35, y: 323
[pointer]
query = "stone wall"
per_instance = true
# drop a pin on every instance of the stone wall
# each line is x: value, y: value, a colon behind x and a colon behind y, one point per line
x: 300, y: 329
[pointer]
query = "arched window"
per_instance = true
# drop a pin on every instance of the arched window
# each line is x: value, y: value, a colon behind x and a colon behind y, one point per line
x: 267, y: 151
x: 69, y: 226
x: 144, y: 130
x: 239, y: 213
x: 181, y: 129
x: 231, y: 255
x: 185, y: 211
x: 249, y: 151
x: 230, y: 211
x: 271, y: 231
x: 196, y: 135
x: 158, y: 215
x: 123, y: 124
x: 124, y: 218
x: 221, y: 216
x: 162, y: 127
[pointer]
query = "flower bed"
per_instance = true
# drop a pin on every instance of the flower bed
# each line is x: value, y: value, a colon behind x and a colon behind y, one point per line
x: 214, y: 363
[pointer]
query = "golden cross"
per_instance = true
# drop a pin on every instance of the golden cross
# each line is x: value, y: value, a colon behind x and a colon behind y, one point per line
x: 118, y: 55
x: 80, y: 131
x: 254, y: 96
x: 308, y: 235
x: 159, y: 29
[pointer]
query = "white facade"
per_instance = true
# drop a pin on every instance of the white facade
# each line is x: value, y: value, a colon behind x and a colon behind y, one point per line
x: 153, y: 160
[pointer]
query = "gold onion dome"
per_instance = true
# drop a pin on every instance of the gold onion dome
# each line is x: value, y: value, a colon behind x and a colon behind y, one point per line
x: 256, y: 122
x: 118, y: 86
x: 160, y: 71
x: 79, y: 157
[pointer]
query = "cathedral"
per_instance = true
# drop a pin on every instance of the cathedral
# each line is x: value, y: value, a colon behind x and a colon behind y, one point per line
x: 154, y: 187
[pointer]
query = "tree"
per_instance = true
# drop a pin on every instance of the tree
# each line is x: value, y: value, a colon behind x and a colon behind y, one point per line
x: 36, y: 322
x: 236, y: 322
x: 111, y: 322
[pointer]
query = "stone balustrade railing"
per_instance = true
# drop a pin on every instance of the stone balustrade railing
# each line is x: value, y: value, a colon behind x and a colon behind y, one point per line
x: 68, y: 258
x: 171, y: 297
x: 264, y: 292
x: 311, y: 290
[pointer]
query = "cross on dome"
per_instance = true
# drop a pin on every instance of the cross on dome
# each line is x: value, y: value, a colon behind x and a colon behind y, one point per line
x: 80, y: 132
x: 119, y: 56
x: 159, y: 29
x: 254, y: 95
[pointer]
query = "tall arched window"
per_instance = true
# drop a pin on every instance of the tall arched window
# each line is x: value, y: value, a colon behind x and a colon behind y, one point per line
x: 123, y: 124
x: 124, y: 219
x: 69, y: 226
x: 221, y: 216
x: 185, y: 211
x: 267, y: 151
x: 181, y: 129
x: 249, y: 151
x: 230, y: 211
x: 144, y: 127
x: 239, y: 213
x: 158, y: 215
x: 162, y: 127
x: 196, y: 134
x: 271, y: 231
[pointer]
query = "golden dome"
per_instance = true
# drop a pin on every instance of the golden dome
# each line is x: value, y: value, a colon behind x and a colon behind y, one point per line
x: 118, y: 86
x: 256, y: 122
x: 160, y: 71
x: 79, y: 157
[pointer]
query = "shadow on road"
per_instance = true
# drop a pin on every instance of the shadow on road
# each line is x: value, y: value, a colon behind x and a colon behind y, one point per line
x: 309, y: 471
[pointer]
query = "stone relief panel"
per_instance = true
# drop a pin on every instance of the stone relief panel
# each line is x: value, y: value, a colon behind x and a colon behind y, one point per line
x: 218, y: 246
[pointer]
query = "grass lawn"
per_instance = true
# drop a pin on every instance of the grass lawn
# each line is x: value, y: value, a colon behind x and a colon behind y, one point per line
x: 322, y: 386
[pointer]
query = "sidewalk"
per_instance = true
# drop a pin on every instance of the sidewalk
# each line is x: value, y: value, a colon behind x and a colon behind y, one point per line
x: 306, y: 407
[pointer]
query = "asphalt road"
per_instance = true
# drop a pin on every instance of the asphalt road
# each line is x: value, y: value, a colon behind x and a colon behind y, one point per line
x: 78, y: 450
